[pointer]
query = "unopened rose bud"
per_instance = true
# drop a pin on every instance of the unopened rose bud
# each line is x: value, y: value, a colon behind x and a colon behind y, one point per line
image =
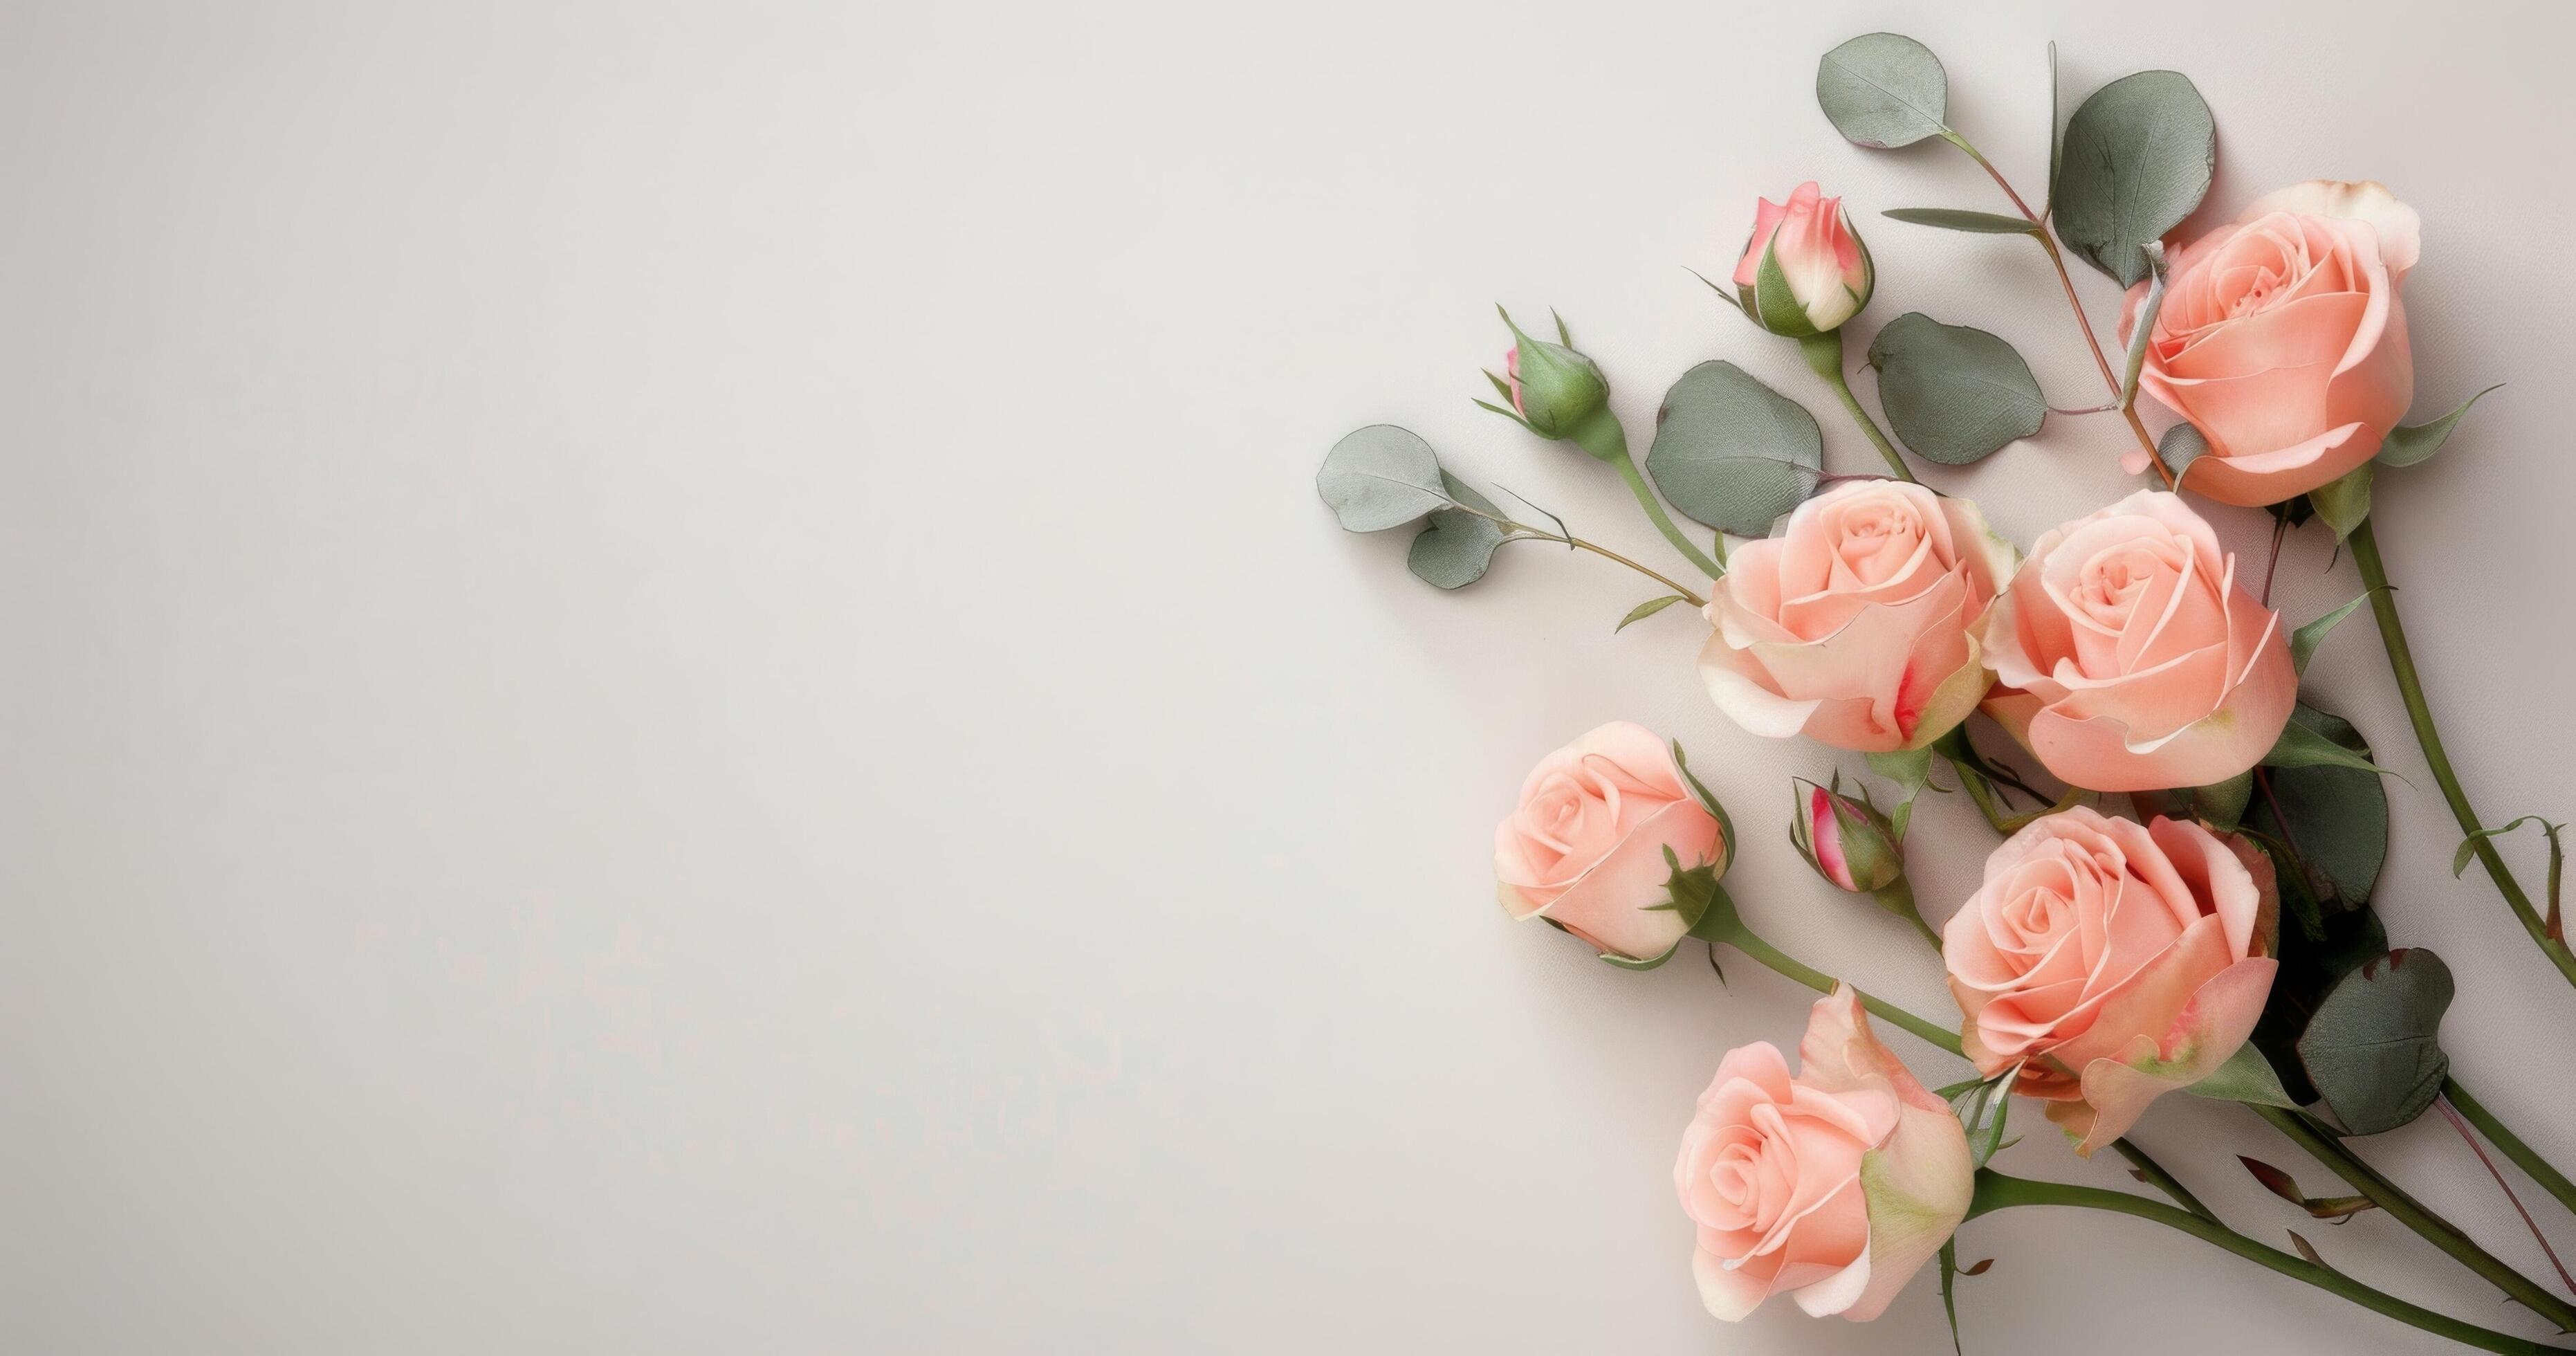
x: 1805, y: 271
x: 1848, y: 841
x: 1555, y: 391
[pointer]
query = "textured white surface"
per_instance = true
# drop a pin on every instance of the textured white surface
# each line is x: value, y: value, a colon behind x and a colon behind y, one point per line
x: 673, y: 681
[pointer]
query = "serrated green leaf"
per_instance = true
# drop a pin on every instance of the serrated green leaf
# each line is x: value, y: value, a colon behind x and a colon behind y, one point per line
x: 1733, y: 453
x: 1953, y: 393
x: 1455, y: 546
x: 1379, y: 477
x: 2408, y: 444
x: 1647, y: 609
x: 2305, y: 640
x: 1883, y: 90
x: 2374, y: 1047
x: 2136, y: 159
x: 2345, y: 501
x: 1959, y: 219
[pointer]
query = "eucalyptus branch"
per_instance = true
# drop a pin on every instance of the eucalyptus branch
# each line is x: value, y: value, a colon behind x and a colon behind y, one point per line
x: 1518, y: 531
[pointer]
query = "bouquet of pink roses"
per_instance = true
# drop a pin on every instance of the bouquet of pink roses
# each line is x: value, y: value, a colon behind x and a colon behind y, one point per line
x: 2180, y: 900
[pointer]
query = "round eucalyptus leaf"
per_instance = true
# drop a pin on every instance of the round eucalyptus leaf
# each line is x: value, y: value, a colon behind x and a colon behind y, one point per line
x: 1883, y: 90
x: 2136, y: 160
x: 1733, y: 453
x: 2374, y: 1047
x: 2336, y: 818
x: 1454, y: 547
x: 1379, y: 477
x: 1953, y: 393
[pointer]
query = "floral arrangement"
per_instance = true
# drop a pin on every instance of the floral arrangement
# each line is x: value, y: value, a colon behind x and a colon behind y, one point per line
x: 2180, y: 900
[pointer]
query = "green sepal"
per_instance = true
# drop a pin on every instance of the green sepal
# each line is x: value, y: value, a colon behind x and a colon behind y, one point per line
x: 1708, y: 802
x: 1775, y: 306
x: 1959, y: 219
x: 1647, y: 609
x: 2300, y: 746
x: 2245, y: 1077
x: 2305, y: 640
x: 2344, y: 502
x: 2222, y: 804
x: 2408, y: 444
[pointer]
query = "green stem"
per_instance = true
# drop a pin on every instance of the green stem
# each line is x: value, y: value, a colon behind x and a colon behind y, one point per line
x: 1527, y: 532
x: 2401, y: 662
x: 1997, y: 1191
x: 2162, y: 1180
x: 2550, y: 1179
x: 2406, y: 1210
x: 1602, y: 436
x: 1825, y: 354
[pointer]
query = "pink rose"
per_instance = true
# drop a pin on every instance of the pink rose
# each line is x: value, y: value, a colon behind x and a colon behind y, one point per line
x: 2111, y: 963
x: 2128, y: 657
x: 1823, y: 276
x: 1856, y: 625
x: 1836, y: 1185
x: 2283, y: 339
x: 1585, y: 850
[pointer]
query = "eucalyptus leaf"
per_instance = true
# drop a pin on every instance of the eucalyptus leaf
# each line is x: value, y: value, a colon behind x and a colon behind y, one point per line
x: 1454, y: 547
x: 2344, y: 502
x: 2135, y: 161
x: 2374, y: 1047
x: 2408, y: 444
x: 2337, y: 816
x: 1647, y: 609
x: 1959, y: 219
x: 2309, y: 969
x: 1883, y: 90
x: 2145, y: 324
x: 1954, y: 394
x: 2305, y: 640
x: 1733, y: 453
x: 2180, y: 446
x: 2299, y: 746
x: 1379, y: 477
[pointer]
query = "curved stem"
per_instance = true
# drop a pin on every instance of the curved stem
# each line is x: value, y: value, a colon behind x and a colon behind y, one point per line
x: 1525, y: 532
x: 1615, y: 452
x: 2533, y: 1165
x: 2401, y: 662
x: 2452, y: 1114
x: 1825, y: 354
x: 2406, y: 1210
x: 2162, y: 1180
x: 1996, y: 1191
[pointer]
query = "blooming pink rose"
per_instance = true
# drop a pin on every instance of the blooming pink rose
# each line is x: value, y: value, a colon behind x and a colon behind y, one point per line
x: 2127, y: 656
x: 1836, y: 1185
x: 2283, y: 339
x: 1856, y: 625
x: 2112, y: 963
x: 1826, y: 268
x: 1585, y: 850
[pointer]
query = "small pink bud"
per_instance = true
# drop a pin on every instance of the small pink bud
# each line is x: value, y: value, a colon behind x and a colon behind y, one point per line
x: 1819, y: 261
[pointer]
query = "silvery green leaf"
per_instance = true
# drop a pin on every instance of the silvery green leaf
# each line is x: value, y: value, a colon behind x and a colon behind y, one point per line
x: 1647, y: 609
x: 2154, y: 250
x: 2374, y: 1047
x: 1883, y: 90
x: 1379, y: 477
x: 2408, y: 444
x: 2345, y: 501
x: 2136, y: 160
x: 2305, y: 640
x: 2336, y: 814
x: 2180, y: 446
x: 1952, y: 393
x: 1454, y: 547
x: 1958, y: 219
x: 2302, y: 746
x: 1731, y: 452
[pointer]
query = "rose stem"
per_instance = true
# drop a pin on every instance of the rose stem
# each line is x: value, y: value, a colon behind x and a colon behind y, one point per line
x: 2442, y: 1105
x: 1539, y: 534
x: 1997, y: 1191
x: 2263, y: 775
x: 2406, y: 1210
x: 1825, y: 354
x: 1602, y: 436
x: 2551, y: 1179
x: 2040, y: 232
x: 1742, y: 938
x: 2401, y: 662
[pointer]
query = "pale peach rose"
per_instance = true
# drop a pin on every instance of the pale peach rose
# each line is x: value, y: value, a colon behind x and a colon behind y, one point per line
x: 1857, y: 624
x: 1585, y: 849
x: 2112, y: 963
x: 1836, y: 1184
x: 2128, y: 657
x: 2283, y: 339
x: 1825, y: 268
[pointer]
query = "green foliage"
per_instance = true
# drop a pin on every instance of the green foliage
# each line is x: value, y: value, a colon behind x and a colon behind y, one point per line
x: 2408, y: 444
x: 2136, y: 159
x: 1647, y: 609
x: 1454, y: 547
x: 1958, y: 219
x: 1379, y: 477
x: 1954, y: 394
x: 2374, y: 1048
x: 1733, y: 453
x: 1882, y: 90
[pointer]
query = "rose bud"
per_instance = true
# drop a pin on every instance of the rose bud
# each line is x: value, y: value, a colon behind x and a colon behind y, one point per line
x: 1805, y: 271
x: 2282, y: 338
x: 1835, y: 1184
x: 1586, y: 849
x: 1856, y: 624
x: 1555, y: 391
x: 1848, y: 841
x: 2112, y: 962
x: 2128, y: 657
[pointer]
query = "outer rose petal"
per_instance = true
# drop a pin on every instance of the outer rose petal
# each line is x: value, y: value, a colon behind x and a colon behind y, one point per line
x: 2219, y: 1019
x: 1611, y: 905
x: 2399, y: 228
x: 2096, y: 754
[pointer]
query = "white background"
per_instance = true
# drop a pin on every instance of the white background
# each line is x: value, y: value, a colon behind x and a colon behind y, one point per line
x: 673, y: 682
